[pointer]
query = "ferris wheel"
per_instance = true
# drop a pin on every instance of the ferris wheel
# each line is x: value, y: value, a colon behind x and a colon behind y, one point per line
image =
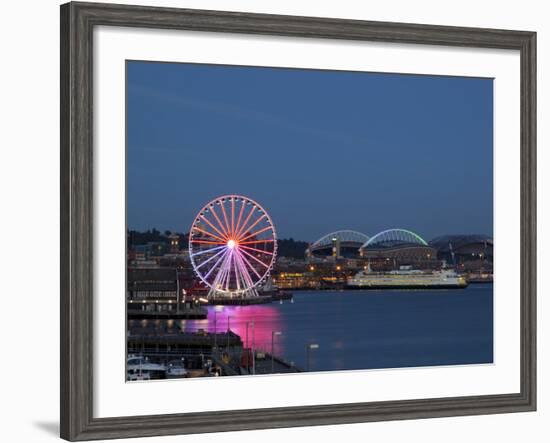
x: 232, y: 246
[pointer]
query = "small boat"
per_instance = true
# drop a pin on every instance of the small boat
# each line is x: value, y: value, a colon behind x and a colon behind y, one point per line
x: 137, y: 375
x: 176, y: 369
x: 139, y: 367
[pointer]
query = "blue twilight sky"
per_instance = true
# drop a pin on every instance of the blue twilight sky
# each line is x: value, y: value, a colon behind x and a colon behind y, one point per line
x: 320, y: 150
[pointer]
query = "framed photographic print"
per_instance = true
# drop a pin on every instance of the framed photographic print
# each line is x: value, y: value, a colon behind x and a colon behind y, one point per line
x: 272, y: 221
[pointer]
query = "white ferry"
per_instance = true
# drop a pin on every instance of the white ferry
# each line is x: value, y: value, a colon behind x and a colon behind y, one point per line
x: 407, y: 278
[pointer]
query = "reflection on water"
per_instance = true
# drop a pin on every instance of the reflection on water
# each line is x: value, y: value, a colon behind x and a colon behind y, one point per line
x: 360, y: 330
x: 255, y: 325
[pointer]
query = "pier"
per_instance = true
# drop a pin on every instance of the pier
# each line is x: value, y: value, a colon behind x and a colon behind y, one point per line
x: 184, y: 313
x: 207, y: 354
x: 182, y: 341
x: 245, y: 301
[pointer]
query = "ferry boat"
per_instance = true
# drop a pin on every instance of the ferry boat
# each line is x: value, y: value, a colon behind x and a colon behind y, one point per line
x: 407, y: 278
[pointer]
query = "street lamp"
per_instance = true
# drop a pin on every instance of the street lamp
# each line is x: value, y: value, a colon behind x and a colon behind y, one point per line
x: 228, y: 330
x: 215, y: 329
x: 253, y: 350
x: 247, y: 347
x: 310, y: 346
x: 273, y: 334
x: 216, y: 309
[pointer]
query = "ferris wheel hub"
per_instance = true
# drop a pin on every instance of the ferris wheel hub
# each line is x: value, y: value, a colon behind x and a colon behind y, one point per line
x: 231, y: 244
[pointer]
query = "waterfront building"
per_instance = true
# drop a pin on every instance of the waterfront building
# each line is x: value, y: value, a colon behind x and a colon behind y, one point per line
x: 470, y: 254
x: 384, y: 258
x: 174, y: 243
x: 152, y: 289
x: 461, y: 249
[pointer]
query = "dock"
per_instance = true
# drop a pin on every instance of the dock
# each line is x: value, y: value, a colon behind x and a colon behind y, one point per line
x: 185, y: 313
x: 259, y: 300
x: 182, y: 342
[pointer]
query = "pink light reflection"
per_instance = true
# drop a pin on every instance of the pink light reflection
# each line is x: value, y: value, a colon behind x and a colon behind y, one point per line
x: 266, y: 320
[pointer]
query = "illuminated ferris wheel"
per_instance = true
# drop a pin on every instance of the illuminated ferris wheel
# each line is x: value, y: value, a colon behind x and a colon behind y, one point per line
x: 232, y: 246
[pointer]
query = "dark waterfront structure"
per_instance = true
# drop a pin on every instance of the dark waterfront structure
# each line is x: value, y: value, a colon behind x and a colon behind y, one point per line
x: 461, y: 249
x: 157, y: 293
x: 205, y: 353
x: 386, y: 258
x: 152, y: 285
x: 470, y: 254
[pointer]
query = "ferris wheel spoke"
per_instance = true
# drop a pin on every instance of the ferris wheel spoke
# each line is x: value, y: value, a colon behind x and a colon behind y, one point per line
x: 246, y: 220
x: 237, y: 272
x: 232, y: 216
x: 216, y: 265
x: 255, y: 259
x: 257, y: 232
x: 227, y: 225
x: 243, y: 260
x: 213, y: 227
x: 208, y: 242
x: 208, y: 260
x: 238, y: 225
x: 227, y: 272
x: 224, y: 255
x: 221, y: 272
x: 250, y: 242
x: 247, y: 279
x: 217, y: 237
x: 258, y: 220
x: 207, y: 251
x: 237, y: 275
x: 246, y: 262
x: 227, y: 276
x: 232, y: 275
x: 256, y: 250
x: 215, y: 283
x: 215, y: 214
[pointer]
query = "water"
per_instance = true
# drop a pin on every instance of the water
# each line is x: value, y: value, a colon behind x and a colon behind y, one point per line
x: 366, y: 329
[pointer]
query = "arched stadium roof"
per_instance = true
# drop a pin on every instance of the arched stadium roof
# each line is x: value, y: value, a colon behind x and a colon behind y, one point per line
x: 394, y: 237
x: 345, y: 236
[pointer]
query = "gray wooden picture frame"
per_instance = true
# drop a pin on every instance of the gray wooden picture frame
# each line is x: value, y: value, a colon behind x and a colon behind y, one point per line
x: 77, y: 23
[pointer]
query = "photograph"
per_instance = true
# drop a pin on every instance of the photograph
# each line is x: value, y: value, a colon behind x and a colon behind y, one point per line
x: 275, y: 221
x: 284, y: 220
